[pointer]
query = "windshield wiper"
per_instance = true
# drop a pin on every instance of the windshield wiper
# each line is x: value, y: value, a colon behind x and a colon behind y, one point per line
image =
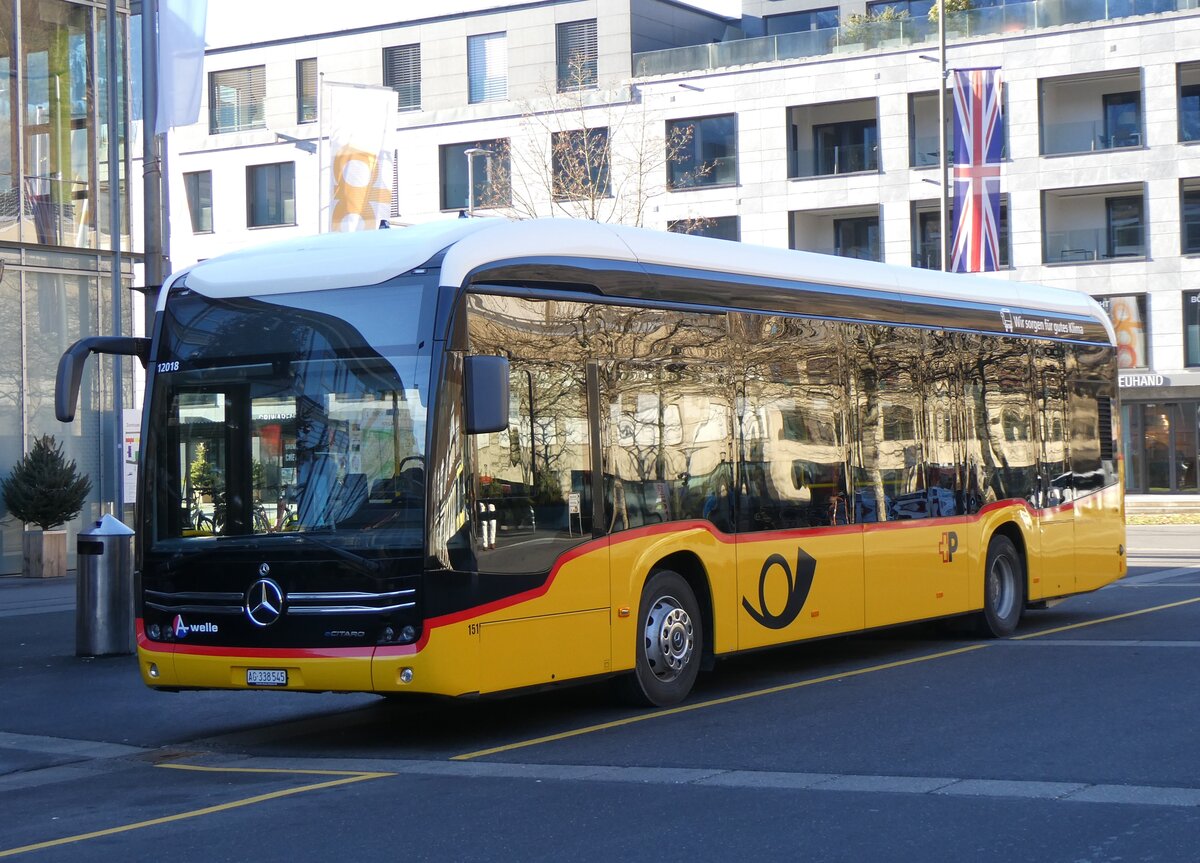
x: 364, y: 565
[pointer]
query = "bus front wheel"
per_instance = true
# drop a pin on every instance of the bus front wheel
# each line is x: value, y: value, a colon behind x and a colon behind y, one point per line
x: 669, y: 642
x: 1003, y: 590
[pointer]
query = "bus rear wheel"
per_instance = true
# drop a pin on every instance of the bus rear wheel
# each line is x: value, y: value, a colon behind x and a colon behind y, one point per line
x: 1003, y: 590
x: 669, y: 642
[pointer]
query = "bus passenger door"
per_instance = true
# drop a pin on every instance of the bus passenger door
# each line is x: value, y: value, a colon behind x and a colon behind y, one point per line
x: 1052, y: 573
x: 540, y: 580
x: 799, y: 550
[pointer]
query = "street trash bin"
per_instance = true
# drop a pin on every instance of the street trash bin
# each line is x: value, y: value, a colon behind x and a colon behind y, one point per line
x: 104, y: 590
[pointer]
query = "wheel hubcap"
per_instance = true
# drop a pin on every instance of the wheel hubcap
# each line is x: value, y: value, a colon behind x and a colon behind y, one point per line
x: 669, y: 639
x: 1002, y: 587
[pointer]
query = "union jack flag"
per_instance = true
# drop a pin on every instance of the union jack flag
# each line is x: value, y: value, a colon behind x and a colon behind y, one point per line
x: 978, y: 138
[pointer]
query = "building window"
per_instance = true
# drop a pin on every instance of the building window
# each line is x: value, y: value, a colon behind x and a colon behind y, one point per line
x: 488, y: 172
x: 702, y: 152
x: 1128, y: 316
x: 918, y: 10
x: 487, y: 67
x: 402, y: 72
x: 927, y: 251
x: 844, y: 148
x: 1122, y: 120
x: 1189, y: 101
x: 199, y: 199
x: 236, y: 99
x: 798, y: 22
x: 716, y: 227
x: 306, y: 90
x: 857, y: 238
x: 1189, y: 209
x: 924, y: 145
x: 1126, y: 226
x: 576, y: 54
x: 1191, y: 329
x: 271, y: 195
x: 580, y: 160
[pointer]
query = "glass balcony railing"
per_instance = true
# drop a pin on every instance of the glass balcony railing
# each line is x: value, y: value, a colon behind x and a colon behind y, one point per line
x: 1081, y: 137
x: 843, y: 159
x: 862, y: 253
x: 994, y: 20
x: 1093, y: 244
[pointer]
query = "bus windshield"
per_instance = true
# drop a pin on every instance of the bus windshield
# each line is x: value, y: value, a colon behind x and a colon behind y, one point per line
x: 291, y: 413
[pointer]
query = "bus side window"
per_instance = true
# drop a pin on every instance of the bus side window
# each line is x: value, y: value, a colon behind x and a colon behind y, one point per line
x: 791, y: 424
x: 532, y: 497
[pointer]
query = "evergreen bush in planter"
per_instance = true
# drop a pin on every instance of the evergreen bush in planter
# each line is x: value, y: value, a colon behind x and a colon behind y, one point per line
x: 45, y: 489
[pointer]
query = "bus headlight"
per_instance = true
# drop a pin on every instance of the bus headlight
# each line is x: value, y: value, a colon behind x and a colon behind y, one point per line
x: 155, y: 632
x: 406, y: 675
x: 408, y: 634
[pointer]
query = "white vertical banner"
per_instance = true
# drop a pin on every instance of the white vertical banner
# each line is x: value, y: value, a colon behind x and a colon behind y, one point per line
x: 357, y: 165
x: 132, y: 451
x: 181, y: 25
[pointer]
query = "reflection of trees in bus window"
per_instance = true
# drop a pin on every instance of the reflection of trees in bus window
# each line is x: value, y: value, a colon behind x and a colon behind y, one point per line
x: 790, y: 425
x: 532, y: 496
x: 889, y: 380
x: 999, y: 396
x: 666, y: 411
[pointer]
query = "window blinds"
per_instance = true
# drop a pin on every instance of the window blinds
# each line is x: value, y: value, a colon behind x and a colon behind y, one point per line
x: 306, y: 90
x: 487, y: 67
x: 236, y: 99
x: 402, y: 72
x: 576, y: 55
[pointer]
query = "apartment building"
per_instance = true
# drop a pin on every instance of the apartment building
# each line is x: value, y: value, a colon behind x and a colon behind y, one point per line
x: 797, y: 124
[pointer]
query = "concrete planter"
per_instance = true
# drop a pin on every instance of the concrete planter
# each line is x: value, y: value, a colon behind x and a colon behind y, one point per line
x: 44, y: 553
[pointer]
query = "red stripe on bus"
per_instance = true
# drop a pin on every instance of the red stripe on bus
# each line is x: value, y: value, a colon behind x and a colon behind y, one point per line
x: 630, y: 535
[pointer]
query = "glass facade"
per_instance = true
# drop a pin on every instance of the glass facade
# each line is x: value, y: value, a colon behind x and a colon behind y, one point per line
x: 1160, y: 447
x: 56, y: 226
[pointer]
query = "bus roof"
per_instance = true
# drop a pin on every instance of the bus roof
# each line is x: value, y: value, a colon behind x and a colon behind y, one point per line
x: 338, y: 260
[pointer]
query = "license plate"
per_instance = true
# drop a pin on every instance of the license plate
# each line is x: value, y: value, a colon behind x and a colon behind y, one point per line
x: 266, y: 677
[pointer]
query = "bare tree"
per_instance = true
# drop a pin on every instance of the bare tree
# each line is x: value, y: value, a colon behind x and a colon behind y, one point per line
x: 589, y: 154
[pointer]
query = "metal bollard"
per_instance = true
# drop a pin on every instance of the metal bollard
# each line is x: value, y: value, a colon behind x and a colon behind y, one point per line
x: 104, y: 590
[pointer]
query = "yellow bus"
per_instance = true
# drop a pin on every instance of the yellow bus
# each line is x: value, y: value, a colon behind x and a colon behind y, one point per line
x: 481, y: 456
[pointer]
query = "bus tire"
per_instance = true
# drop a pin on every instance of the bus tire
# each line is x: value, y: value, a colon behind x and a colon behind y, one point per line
x: 670, y: 642
x: 1003, y: 590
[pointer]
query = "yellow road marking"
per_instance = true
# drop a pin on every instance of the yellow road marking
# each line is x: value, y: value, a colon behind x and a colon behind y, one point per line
x: 200, y: 769
x: 347, y: 777
x: 728, y: 699
x: 1106, y: 619
x: 550, y: 738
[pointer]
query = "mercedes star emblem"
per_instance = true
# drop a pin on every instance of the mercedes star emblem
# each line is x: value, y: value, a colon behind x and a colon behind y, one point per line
x: 264, y: 601
x: 264, y: 569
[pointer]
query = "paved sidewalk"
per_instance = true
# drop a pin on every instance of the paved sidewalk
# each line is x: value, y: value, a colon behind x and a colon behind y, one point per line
x: 22, y: 596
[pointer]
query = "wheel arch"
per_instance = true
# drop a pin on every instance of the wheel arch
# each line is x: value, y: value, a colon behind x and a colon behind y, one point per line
x: 689, y: 566
x: 1012, y: 531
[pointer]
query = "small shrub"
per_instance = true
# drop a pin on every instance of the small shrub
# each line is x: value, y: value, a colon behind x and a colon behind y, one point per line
x: 45, y: 488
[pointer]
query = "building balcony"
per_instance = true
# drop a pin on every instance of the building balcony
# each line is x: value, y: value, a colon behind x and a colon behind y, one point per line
x: 991, y: 21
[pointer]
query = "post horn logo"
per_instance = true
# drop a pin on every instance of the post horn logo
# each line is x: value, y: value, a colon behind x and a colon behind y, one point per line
x: 799, y: 584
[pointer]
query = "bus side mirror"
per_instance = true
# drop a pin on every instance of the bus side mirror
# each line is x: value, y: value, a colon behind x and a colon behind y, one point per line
x: 485, y: 390
x: 70, y: 367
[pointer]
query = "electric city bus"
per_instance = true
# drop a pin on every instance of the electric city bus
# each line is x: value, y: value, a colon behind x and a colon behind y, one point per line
x: 481, y: 456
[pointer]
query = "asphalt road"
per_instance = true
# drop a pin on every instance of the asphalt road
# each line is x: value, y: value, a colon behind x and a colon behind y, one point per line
x: 1074, y: 741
